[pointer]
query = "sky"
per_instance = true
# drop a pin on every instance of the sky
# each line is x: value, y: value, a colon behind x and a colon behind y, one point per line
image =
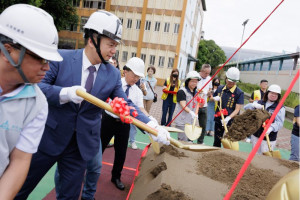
x: 223, y: 21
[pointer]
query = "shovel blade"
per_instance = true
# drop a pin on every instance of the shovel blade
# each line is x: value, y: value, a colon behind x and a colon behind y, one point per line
x: 193, y: 133
x: 200, y: 148
x: 274, y: 154
x: 227, y: 144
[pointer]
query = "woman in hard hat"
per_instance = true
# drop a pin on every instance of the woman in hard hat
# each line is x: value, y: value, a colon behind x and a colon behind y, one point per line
x: 269, y: 103
x: 184, y: 95
x: 170, y: 89
x: 231, y: 98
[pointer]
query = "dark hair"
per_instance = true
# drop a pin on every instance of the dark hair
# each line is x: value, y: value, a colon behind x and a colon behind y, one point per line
x: 265, y: 97
x: 114, y: 58
x: 171, y: 77
x: 264, y: 80
x: 214, y: 80
x: 153, y: 69
x: 126, y: 68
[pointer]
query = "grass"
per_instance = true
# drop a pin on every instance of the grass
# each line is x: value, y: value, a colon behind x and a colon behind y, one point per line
x: 288, y: 125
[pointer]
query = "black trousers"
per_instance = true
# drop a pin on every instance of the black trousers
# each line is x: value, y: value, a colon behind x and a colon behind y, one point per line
x: 115, y: 127
x: 219, y: 132
x: 202, y: 117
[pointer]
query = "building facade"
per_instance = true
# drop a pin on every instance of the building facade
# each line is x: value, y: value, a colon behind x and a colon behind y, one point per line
x: 164, y: 33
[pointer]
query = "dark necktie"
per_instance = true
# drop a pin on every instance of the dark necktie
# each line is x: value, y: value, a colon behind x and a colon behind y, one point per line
x: 127, y: 90
x: 90, y: 79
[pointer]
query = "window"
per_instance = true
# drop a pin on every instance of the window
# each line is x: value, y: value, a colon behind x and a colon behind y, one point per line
x: 121, y: 19
x: 124, y: 56
x: 167, y: 27
x: 143, y: 57
x: 176, y: 28
x: 83, y: 21
x: 133, y: 54
x: 152, y: 60
x: 148, y: 25
x: 72, y: 27
x: 157, y: 26
x: 161, y: 61
x: 129, y: 23
x: 76, y: 3
x: 97, y: 4
x: 171, y: 62
x: 138, y: 24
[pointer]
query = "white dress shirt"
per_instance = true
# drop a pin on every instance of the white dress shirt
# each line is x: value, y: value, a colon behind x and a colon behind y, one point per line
x: 205, y: 90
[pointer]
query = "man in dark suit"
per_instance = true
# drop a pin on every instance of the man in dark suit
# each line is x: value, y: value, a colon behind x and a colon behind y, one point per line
x: 72, y: 132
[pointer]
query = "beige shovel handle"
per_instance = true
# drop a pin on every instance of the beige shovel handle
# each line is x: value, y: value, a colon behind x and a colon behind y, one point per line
x: 268, y: 142
x: 90, y: 98
x: 222, y: 116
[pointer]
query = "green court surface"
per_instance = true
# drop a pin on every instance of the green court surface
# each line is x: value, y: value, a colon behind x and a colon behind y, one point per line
x: 142, y: 140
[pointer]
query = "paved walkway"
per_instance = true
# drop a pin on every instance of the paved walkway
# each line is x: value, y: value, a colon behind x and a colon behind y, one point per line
x: 283, y: 138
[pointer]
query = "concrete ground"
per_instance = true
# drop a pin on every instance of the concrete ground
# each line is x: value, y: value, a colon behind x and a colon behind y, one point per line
x: 283, y: 138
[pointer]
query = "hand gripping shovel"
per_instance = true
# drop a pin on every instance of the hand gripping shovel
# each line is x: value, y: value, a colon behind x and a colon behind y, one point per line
x: 276, y: 153
x: 191, y: 131
x: 227, y: 144
x: 101, y: 104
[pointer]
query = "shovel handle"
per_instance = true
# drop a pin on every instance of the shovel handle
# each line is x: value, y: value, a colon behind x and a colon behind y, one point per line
x: 97, y: 102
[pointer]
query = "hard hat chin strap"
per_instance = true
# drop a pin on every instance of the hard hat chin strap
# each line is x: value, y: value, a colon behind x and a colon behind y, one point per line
x: 16, y: 65
x: 97, y: 46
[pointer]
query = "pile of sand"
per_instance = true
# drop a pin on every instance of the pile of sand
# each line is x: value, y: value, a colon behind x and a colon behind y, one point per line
x: 177, y: 174
x: 246, y: 124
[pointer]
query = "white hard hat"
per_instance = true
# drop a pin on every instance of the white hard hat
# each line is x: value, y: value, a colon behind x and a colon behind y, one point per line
x: 233, y: 74
x: 31, y: 27
x: 136, y: 65
x: 275, y: 88
x: 105, y: 23
x: 193, y: 75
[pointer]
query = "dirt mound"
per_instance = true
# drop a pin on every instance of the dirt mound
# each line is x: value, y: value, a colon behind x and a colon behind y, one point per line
x: 246, y: 124
x: 166, y: 193
x: 159, y: 168
x: 255, y: 184
x: 172, y: 151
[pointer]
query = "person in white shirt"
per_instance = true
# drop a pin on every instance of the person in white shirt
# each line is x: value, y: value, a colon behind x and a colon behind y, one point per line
x: 202, y: 113
x: 113, y: 126
x: 24, y: 50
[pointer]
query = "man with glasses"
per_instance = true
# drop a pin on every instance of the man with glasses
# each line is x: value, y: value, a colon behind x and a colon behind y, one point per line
x: 72, y: 132
x: 24, y: 51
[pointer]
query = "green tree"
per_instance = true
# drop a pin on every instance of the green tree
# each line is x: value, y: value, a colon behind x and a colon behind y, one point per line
x: 62, y: 11
x: 209, y: 52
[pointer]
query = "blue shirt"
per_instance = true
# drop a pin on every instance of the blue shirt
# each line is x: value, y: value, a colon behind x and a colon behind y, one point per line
x: 295, y: 130
x: 229, y: 97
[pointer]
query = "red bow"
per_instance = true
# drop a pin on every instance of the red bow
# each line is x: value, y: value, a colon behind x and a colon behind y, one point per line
x: 199, y: 99
x: 119, y: 105
x: 223, y: 111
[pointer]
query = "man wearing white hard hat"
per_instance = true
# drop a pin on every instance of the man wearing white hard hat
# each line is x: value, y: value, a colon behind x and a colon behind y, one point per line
x: 113, y: 126
x: 24, y: 53
x: 231, y: 98
x: 72, y: 132
x: 269, y: 102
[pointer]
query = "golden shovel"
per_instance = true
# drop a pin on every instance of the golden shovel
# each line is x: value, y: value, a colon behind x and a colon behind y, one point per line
x: 101, y: 104
x: 227, y: 144
x: 274, y: 154
x: 193, y: 132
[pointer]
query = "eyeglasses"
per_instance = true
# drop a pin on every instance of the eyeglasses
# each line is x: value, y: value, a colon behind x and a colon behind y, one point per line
x: 36, y: 57
x: 33, y: 55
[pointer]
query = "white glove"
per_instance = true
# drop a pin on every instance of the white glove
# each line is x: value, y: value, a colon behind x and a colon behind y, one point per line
x: 193, y: 114
x: 72, y: 96
x: 163, y: 135
x: 216, y: 98
x: 153, y: 119
x: 257, y: 105
x: 270, y: 129
x: 226, y: 120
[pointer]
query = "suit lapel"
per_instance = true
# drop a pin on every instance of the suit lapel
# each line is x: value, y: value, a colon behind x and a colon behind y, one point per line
x: 76, y: 65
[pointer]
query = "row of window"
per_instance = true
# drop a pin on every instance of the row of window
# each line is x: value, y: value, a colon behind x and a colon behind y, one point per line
x: 161, y: 59
x: 148, y: 25
x: 97, y: 4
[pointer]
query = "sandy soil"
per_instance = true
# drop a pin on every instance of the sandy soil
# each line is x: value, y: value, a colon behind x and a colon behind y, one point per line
x: 246, y: 124
x: 177, y: 174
